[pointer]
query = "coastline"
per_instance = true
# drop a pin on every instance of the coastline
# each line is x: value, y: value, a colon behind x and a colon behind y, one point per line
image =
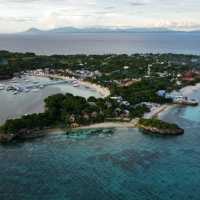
x: 158, y: 111
x: 131, y: 124
x: 190, y: 89
x: 163, y: 109
x: 103, y: 91
x: 23, y: 103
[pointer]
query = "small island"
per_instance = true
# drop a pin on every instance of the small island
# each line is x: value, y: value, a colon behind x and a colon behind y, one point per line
x: 159, y: 127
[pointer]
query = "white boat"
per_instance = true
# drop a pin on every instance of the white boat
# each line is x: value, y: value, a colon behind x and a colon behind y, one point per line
x: 76, y: 85
x: 13, y: 81
x: 75, y: 81
x: 10, y: 88
x: 41, y: 86
x: 26, y: 90
x: 35, y: 90
x: 15, y: 93
x: 2, y: 87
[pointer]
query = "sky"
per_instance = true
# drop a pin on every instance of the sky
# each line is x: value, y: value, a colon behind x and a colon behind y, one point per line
x: 20, y: 15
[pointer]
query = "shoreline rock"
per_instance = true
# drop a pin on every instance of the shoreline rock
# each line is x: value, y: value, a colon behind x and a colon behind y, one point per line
x: 159, y: 127
x: 6, y: 138
x: 158, y: 131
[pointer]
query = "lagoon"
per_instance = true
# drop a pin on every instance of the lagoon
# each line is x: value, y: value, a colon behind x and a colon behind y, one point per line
x: 13, y: 106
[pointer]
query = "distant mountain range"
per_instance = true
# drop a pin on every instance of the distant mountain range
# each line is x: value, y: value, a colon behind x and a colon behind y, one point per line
x: 98, y: 30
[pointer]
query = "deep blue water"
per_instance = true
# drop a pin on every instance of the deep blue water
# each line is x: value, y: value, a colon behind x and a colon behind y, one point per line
x: 103, y: 43
x: 124, y: 165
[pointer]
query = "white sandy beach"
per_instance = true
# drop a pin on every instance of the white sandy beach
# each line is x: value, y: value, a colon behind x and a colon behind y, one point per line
x: 131, y: 124
x: 162, y: 109
x: 156, y: 112
x: 103, y: 91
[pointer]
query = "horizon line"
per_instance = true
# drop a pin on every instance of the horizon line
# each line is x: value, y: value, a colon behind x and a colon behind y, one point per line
x: 111, y: 28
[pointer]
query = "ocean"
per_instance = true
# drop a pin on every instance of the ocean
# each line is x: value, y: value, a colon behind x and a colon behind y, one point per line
x: 103, y: 43
x: 123, y: 165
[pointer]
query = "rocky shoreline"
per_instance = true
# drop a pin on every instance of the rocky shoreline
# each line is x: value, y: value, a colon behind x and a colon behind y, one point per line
x: 6, y: 138
x: 29, y: 134
x: 159, y: 131
x: 159, y: 127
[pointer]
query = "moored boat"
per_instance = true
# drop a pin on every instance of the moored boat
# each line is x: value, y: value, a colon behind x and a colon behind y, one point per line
x: 75, y: 85
x: 2, y: 87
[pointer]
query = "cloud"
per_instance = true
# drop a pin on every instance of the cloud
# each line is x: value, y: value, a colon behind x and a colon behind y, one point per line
x: 138, y: 2
x: 20, y: 14
x: 16, y: 19
x: 179, y: 24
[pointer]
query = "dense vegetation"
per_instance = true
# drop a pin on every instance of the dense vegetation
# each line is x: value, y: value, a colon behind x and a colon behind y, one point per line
x: 110, y: 65
x: 68, y: 110
x: 164, y: 69
x: 146, y: 73
x: 144, y: 91
x: 29, y: 122
x: 156, y: 123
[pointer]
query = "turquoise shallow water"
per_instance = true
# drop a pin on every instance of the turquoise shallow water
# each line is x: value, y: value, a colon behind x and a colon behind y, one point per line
x: 123, y: 165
